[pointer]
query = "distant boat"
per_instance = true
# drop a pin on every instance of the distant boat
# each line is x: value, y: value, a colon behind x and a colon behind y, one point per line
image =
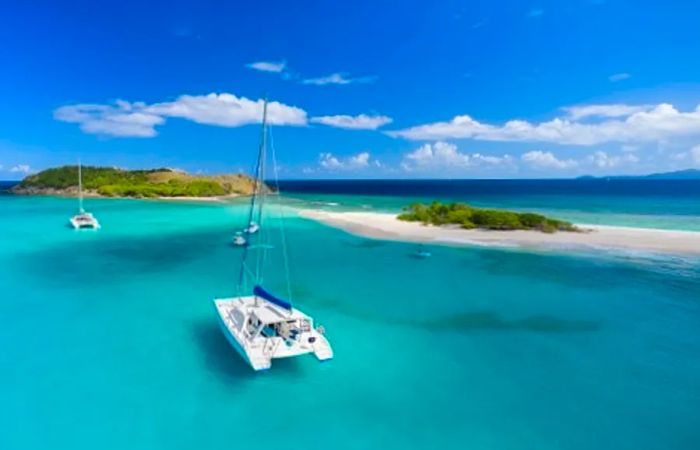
x: 260, y: 325
x: 239, y: 240
x: 84, y: 219
x: 253, y: 228
x: 422, y: 253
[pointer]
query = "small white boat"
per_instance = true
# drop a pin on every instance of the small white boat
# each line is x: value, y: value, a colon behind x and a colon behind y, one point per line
x: 252, y: 228
x: 83, y: 220
x: 238, y: 239
x: 258, y: 324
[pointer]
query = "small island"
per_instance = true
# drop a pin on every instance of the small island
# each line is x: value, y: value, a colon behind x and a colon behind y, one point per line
x: 468, y: 217
x: 114, y: 182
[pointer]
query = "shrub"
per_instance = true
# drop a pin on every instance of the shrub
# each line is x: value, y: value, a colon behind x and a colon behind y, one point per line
x: 467, y: 217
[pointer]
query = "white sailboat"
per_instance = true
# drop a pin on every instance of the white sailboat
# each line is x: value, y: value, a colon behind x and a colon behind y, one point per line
x: 252, y: 228
x: 238, y: 239
x: 84, y: 219
x: 260, y: 325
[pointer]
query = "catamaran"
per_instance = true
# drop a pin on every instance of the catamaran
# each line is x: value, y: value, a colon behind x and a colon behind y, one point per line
x: 260, y: 325
x: 84, y: 219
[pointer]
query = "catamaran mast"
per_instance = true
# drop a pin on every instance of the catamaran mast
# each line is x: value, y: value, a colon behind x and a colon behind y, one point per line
x: 256, y: 204
x: 80, y: 188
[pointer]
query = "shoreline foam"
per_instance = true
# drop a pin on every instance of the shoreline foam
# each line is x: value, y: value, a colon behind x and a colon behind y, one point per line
x: 387, y: 226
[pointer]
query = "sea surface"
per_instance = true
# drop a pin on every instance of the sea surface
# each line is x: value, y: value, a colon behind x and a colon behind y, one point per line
x: 109, y: 339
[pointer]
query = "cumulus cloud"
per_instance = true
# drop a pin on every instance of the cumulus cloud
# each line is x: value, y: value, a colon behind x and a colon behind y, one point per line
x: 612, y: 110
x: 695, y: 155
x: 122, y: 119
x: 542, y: 160
x: 619, y: 77
x: 227, y: 110
x: 546, y: 160
x: 443, y: 156
x: 361, y: 122
x: 635, y: 125
x: 332, y: 162
x: 268, y: 66
x: 336, y: 78
x: 603, y: 160
x: 125, y: 119
x: 21, y: 168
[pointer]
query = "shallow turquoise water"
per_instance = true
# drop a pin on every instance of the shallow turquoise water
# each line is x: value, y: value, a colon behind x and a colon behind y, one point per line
x: 109, y: 340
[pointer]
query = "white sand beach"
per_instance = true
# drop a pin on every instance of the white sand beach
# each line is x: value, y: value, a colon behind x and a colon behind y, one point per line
x: 387, y: 226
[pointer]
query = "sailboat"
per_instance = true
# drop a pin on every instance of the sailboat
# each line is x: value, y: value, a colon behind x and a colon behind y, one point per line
x: 259, y: 324
x: 84, y: 219
x: 238, y: 239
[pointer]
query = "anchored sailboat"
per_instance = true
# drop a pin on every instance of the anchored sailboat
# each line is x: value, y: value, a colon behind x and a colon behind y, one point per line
x: 83, y: 219
x: 260, y: 325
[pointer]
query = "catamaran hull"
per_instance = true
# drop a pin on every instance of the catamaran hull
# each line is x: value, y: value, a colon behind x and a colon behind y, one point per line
x: 238, y: 347
x: 82, y: 224
x: 260, y: 352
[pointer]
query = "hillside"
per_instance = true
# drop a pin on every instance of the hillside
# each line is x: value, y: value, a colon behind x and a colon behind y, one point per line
x: 113, y: 182
x: 687, y: 174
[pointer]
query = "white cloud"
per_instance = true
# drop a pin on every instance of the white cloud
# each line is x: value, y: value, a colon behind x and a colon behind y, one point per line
x: 653, y: 124
x: 268, y: 66
x: 21, y: 168
x: 443, y: 156
x: 541, y: 160
x: 227, y: 110
x: 361, y: 122
x: 695, y: 154
x: 602, y: 160
x: 329, y: 161
x: 619, y: 77
x: 336, y: 78
x: 546, y: 160
x: 359, y: 160
x: 332, y: 162
x: 124, y: 119
x: 612, y: 110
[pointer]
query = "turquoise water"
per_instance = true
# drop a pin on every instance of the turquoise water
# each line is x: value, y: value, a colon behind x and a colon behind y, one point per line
x: 109, y: 340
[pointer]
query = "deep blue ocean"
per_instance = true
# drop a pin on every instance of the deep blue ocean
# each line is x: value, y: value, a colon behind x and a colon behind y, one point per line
x: 109, y: 339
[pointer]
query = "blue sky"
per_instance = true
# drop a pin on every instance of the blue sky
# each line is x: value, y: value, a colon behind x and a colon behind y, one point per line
x: 388, y: 89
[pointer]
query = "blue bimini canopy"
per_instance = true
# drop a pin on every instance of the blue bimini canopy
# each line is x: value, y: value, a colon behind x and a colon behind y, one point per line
x: 260, y: 292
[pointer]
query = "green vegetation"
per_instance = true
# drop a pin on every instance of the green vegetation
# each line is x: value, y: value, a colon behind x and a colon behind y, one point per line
x: 113, y: 182
x: 491, y: 219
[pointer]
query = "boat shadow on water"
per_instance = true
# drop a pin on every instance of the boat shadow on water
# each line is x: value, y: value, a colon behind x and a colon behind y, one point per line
x: 462, y: 322
x: 222, y: 360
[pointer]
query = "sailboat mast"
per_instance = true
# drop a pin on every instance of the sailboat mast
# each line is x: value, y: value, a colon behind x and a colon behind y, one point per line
x: 261, y: 194
x: 256, y: 199
x: 80, y: 187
